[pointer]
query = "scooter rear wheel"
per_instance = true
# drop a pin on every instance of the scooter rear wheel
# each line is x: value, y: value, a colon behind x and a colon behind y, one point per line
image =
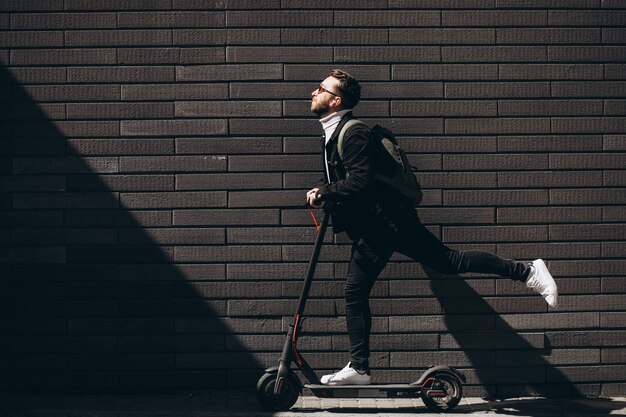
x: 450, y: 385
x: 287, y: 397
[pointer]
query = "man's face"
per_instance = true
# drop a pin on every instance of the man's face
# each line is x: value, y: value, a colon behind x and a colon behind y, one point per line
x: 325, y: 99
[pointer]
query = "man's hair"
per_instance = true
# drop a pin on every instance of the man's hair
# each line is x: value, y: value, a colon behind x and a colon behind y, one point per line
x: 349, y: 88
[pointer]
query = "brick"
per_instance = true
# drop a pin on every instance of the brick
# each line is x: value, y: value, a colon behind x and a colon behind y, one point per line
x: 67, y: 165
x: 493, y: 18
x: 242, y: 72
x: 173, y: 127
x: 145, y: 56
x: 586, y: 338
x: 615, y: 107
x: 550, y: 71
x: 118, y: 37
x: 499, y: 125
x: 120, y: 183
x: 173, y: 200
x: 434, y: 108
x: 173, y: 236
x: 273, y: 163
x: 454, y: 180
x: 229, y: 4
x: 588, y: 197
x: 202, y: 55
x: 549, y: 143
x: 387, y: 18
x: 549, y: 251
x: 277, y: 271
x: 30, y: 39
x: 549, y: 215
x: 226, y: 37
x: 592, y: 303
x: 614, y: 249
x: 493, y: 53
x: 64, y: 200
x: 256, y: 54
x: 40, y: 21
x: 434, y: 36
x: 614, y: 143
x: 587, y: 232
x: 47, y: 5
x: 69, y: 129
x: 615, y: 71
x: 84, y: 56
x: 272, y: 235
x: 555, y: 357
x: 497, y: 90
x: 492, y: 340
x: 27, y: 75
x: 119, y: 74
x: 73, y: 92
x: 445, y: 72
x: 613, y: 214
x: 146, y: 92
x: 586, y: 18
x: 316, y: 73
x: 612, y: 320
x: 172, y: 164
x: 120, y: 110
x: 230, y: 217
x: 227, y: 181
x: 390, y: 54
x: 613, y: 35
x: 282, y: 18
x: 25, y: 111
x: 549, y: 179
x: 613, y: 285
x: 228, y: 109
x: 551, y: 321
x: 139, y: 273
x: 589, y: 89
x: 110, y: 218
x: 354, y: 37
x: 614, y: 178
x: 170, y: 19
x: 589, y: 268
x: 495, y: 234
x: 588, y: 161
x: 116, y: 5
x: 272, y: 126
x: 588, y: 125
x: 550, y: 108
x: 30, y: 218
x: 491, y: 162
x: 274, y: 199
x: 120, y: 146
x: 227, y: 253
x: 495, y: 197
x: 454, y: 216
x: 547, y: 36
x: 543, y: 4
x: 231, y: 145
x: 586, y: 53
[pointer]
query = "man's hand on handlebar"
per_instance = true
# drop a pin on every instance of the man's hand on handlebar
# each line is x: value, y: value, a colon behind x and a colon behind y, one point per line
x: 312, y: 198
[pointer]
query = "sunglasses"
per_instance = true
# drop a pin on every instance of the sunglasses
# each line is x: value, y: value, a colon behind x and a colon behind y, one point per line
x: 321, y: 89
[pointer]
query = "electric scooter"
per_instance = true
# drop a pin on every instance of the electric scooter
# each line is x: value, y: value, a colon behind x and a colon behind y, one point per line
x: 439, y: 387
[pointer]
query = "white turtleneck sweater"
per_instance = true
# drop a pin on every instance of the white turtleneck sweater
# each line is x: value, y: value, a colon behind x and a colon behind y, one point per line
x: 329, y: 124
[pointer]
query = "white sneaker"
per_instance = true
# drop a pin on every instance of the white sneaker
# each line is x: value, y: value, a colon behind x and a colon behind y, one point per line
x: 347, y: 376
x: 541, y: 281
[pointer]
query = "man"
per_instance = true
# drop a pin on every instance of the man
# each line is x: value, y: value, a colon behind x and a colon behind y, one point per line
x: 379, y: 221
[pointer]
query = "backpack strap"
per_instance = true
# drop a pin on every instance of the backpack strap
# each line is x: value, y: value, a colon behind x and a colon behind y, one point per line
x: 342, y: 133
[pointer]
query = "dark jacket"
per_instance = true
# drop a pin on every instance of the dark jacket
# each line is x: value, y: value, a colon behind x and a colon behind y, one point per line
x: 349, y: 185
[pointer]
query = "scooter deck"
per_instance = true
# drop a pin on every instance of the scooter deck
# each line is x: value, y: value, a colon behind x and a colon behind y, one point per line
x: 365, y: 391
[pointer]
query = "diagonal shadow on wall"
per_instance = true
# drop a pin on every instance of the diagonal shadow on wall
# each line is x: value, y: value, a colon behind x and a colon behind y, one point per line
x: 507, y: 363
x: 90, y: 300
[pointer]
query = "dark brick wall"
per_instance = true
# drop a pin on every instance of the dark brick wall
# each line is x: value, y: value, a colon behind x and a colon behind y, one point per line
x: 148, y: 147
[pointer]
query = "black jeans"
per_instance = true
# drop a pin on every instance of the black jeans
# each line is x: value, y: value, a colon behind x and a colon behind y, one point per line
x: 404, y: 233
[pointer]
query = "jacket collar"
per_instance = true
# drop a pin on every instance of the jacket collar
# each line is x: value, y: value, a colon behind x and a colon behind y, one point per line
x: 343, y: 121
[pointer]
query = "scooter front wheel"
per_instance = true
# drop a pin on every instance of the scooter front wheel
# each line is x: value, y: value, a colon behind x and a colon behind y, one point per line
x: 443, y: 393
x: 286, y: 398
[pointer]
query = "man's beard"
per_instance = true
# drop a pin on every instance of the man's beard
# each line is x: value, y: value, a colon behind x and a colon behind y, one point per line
x: 318, y: 108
